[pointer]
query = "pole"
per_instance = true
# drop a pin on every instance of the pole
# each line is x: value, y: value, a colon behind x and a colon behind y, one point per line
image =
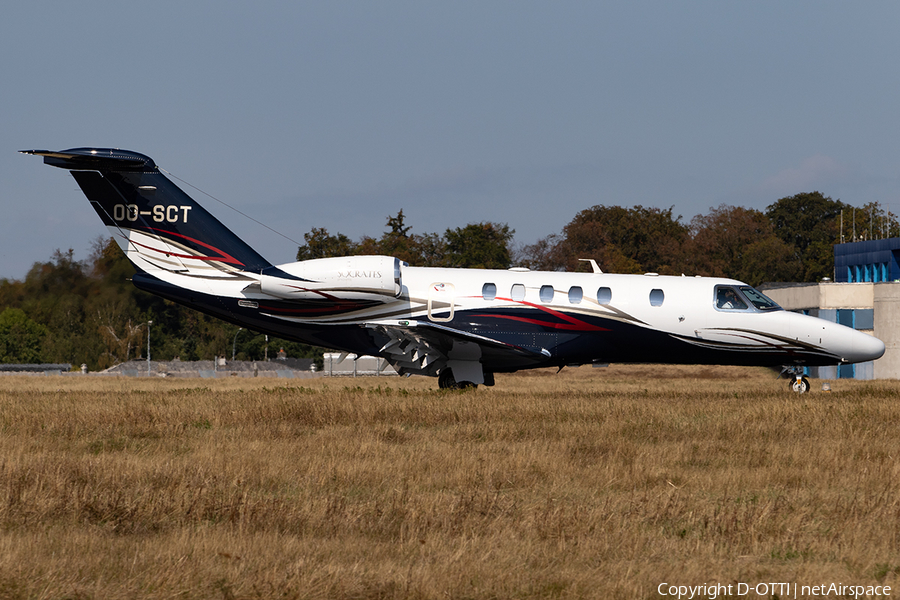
x: 234, y: 342
x: 149, y: 323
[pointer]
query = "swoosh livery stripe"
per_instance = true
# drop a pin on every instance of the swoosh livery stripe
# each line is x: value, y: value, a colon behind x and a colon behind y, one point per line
x: 572, y: 324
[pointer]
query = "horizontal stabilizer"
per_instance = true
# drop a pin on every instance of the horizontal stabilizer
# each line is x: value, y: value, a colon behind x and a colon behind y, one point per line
x: 80, y: 159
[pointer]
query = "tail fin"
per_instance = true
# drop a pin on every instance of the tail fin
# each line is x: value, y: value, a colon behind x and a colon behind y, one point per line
x: 157, y: 225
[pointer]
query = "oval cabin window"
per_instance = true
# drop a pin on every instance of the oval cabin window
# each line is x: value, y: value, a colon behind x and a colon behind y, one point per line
x: 604, y: 295
x: 489, y: 291
x: 518, y: 292
x: 657, y: 297
x: 546, y: 293
x: 575, y: 294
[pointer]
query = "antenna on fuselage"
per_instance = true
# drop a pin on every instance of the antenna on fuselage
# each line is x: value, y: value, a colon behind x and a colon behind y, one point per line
x: 594, y: 264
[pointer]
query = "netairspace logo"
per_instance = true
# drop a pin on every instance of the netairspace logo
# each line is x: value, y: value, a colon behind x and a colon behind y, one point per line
x: 782, y: 590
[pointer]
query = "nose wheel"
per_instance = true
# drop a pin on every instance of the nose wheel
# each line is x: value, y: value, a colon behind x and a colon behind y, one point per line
x: 800, y: 385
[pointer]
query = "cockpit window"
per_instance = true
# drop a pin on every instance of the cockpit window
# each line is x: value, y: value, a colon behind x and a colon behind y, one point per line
x: 758, y: 299
x: 727, y: 298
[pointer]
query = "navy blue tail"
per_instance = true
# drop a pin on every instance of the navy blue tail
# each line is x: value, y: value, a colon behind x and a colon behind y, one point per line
x: 131, y: 196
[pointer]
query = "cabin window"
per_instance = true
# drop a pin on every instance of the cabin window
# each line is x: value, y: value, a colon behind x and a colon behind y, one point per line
x: 657, y: 297
x: 575, y: 294
x: 489, y: 291
x: 727, y: 298
x: 604, y: 295
x: 518, y: 292
x: 546, y: 293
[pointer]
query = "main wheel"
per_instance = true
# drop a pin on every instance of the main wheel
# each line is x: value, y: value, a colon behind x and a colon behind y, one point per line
x: 446, y: 381
x: 801, y: 385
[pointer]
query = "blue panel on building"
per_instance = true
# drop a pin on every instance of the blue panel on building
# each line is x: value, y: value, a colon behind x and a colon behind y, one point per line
x: 864, y: 318
x: 873, y: 260
x: 846, y: 371
x: 865, y: 370
x: 845, y: 317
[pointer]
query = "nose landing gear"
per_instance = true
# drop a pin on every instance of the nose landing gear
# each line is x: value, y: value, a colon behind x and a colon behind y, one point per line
x: 798, y: 383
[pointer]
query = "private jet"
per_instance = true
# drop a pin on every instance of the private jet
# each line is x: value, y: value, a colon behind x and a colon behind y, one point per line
x: 459, y: 325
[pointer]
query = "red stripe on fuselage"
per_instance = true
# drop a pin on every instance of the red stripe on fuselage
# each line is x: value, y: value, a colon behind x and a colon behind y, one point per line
x: 572, y: 324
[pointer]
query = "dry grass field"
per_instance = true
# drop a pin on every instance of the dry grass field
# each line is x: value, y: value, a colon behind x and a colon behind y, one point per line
x: 591, y: 483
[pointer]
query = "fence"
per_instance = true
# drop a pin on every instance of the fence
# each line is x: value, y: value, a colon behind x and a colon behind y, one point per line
x: 352, y: 365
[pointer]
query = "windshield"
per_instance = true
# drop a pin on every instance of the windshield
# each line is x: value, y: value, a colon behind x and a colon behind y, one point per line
x: 727, y: 298
x: 759, y: 300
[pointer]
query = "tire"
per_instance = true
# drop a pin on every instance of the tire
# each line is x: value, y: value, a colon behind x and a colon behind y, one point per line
x: 801, y: 386
x: 446, y: 381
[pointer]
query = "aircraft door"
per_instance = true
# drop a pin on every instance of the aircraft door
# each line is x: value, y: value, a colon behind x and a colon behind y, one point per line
x: 440, y: 299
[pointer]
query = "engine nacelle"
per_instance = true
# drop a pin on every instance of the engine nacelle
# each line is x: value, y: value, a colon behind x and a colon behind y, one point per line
x: 341, y: 277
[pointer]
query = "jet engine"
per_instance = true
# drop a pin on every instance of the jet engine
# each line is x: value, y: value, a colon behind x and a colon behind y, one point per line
x: 343, y: 277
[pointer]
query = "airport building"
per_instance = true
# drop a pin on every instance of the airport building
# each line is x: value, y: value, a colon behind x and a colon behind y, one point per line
x: 873, y: 261
x: 864, y: 295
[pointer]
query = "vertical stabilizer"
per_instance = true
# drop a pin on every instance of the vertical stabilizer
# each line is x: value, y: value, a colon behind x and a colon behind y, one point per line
x: 159, y: 227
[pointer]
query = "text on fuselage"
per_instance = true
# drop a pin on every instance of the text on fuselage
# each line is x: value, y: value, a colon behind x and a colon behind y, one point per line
x: 355, y: 274
x: 159, y: 213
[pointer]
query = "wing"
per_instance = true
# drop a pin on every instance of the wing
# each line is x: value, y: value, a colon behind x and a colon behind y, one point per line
x: 424, y: 348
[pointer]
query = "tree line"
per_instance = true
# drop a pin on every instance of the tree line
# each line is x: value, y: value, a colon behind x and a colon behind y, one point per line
x: 87, y: 312
x: 485, y: 245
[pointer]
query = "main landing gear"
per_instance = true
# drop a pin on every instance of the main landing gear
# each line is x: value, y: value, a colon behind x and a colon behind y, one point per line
x: 446, y: 381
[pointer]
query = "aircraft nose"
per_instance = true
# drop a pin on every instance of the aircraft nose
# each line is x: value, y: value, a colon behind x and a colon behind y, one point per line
x: 866, y: 347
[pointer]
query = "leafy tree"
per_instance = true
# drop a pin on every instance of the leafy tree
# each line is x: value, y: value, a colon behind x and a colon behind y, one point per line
x: 621, y: 240
x: 398, y: 229
x: 737, y: 242
x: 20, y: 338
x: 396, y: 242
x: 88, y: 312
x: 768, y: 259
x: 479, y: 245
x: 538, y: 256
x: 431, y: 251
x: 320, y: 244
x: 108, y: 264
x: 421, y: 250
x: 810, y: 223
x: 54, y: 295
x: 12, y: 292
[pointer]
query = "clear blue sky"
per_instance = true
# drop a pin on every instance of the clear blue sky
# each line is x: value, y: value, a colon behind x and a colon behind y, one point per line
x: 339, y: 114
